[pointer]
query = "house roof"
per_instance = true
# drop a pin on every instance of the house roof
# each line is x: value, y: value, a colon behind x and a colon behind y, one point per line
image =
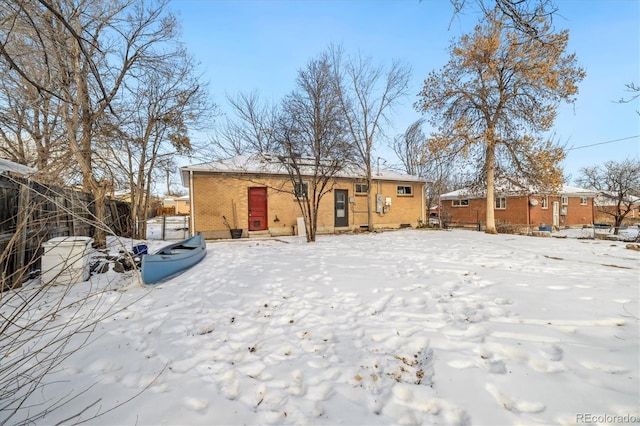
x: 606, y: 198
x: 270, y: 165
x: 173, y: 199
x: 511, y: 190
x: 7, y: 166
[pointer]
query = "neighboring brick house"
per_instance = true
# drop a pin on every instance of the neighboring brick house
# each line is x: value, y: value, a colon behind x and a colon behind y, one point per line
x: 259, y: 190
x: 570, y: 207
x: 605, y: 206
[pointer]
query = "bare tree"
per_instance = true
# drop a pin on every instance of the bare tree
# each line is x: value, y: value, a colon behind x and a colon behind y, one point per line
x: 524, y: 16
x: 166, y: 166
x: 410, y: 149
x: 310, y: 137
x: 89, y: 50
x: 31, y: 131
x: 155, y: 113
x: 251, y: 131
x: 495, y: 98
x: 618, y: 182
x: 367, y: 92
x: 418, y: 159
x: 634, y: 89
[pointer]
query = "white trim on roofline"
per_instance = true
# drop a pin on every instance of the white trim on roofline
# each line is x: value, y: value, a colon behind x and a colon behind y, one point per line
x: 467, y: 193
x: 269, y: 164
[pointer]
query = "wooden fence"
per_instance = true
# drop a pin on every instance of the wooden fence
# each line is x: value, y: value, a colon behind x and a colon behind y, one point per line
x: 32, y: 213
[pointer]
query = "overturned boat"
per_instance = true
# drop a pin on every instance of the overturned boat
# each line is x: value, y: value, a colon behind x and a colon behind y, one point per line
x: 172, y: 259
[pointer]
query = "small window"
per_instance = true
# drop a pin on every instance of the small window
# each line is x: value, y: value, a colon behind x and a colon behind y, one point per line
x: 460, y: 203
x: 583, y: 201
x: 544, y: 202
x: 565, y: 200
x: 361, y: 188
x: 301, y: 190
x: 501, y: 203
x: 405, y: 190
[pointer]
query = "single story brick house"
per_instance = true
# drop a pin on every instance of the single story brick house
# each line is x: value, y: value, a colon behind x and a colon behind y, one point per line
x: 254, y: 193
x: 570, y: 207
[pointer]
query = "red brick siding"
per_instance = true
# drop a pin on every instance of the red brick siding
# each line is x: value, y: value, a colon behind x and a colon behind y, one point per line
x: 519, y: 211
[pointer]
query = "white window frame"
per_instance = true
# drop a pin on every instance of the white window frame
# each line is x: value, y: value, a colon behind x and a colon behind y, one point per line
x: 584, y: 201
x: 460, y: 203
x: 565, y: 200
x: 500, y: 203
x: 544, y: 202
x: 401, y: 190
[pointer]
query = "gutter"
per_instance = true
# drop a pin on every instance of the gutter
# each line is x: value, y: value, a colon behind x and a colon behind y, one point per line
x: 424, y: 205
x: 192, y: 220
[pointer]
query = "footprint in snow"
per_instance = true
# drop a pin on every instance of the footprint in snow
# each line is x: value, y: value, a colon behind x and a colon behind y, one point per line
x: 514, y: 405
x: 104, y: 366
x: 605, y: 368
x: 544, y: 366
x: 552, y: 352
x: 297, y: 381
x: 229, y: 385
x: 557, y: 287
x: 195, y: 404
x: 495, y: 366
x: 321, y: 392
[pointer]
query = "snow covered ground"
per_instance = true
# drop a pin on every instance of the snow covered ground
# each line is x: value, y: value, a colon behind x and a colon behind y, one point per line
x: 168, y: 228
x: 403, y: 327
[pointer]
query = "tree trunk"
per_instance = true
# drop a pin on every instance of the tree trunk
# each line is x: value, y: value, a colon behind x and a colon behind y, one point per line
x: 370, y: 198
x: 101, y: 228
x: 312, y: 221
x: 490, y: 164
x: 617, y: 220
x: 98, y: 190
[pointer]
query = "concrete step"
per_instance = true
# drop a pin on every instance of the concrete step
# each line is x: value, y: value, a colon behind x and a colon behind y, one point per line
x: 259, y: 234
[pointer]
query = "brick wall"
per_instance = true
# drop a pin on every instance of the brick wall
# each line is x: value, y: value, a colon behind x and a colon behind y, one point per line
x: 182, y: 206
x: 213, y: 195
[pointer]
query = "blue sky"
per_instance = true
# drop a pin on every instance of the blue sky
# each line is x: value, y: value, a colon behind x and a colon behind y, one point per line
x: 260, y: 45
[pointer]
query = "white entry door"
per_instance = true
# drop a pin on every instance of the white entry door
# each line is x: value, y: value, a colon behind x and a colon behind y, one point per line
x: 556, y: 214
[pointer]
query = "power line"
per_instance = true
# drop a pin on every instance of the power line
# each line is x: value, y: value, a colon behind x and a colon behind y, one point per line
x: 602, y: 143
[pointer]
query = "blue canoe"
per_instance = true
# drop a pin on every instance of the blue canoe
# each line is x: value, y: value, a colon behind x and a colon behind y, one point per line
x: 172, y: 259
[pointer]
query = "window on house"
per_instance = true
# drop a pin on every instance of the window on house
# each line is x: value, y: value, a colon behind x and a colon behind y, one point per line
x: 544, y: 202
x: 405, y: 190
x: 301, y: 190
x: 361, y: 188
x: 583, y: 201
x: 565, y: 200
x: 460, y: 203
x: 501, y: 203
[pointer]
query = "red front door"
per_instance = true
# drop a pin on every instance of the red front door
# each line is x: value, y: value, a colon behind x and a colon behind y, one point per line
x: 257, y: 209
